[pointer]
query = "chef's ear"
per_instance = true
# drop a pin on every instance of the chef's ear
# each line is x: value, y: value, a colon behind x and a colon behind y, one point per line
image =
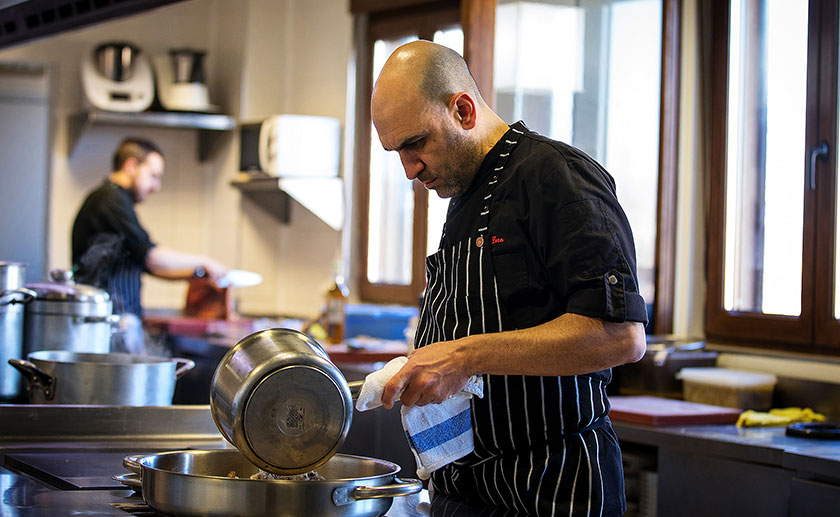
x: 130, y: 165
x: 463, y: 107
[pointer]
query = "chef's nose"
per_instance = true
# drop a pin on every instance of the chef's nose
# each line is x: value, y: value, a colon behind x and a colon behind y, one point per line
x: 412, y: 164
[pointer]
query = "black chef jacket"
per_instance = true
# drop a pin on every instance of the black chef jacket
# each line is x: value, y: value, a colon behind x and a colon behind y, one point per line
x: 560, y: 241
x: 110, y: 246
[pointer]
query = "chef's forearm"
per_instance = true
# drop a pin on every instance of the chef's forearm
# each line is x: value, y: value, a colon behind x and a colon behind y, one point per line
x: 568, y: 345
x: 174, y: 265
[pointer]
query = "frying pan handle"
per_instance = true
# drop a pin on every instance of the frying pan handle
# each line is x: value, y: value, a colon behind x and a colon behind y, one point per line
x: 345, y: 495
x: 132, y: 463
x: 129, y: 481
x: 184, y: 365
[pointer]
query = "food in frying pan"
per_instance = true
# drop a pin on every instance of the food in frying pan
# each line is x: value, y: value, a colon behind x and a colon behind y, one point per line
x: 261, y: 474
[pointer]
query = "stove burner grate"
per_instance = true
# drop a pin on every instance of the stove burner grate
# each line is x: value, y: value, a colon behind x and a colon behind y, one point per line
x: 138, y: 509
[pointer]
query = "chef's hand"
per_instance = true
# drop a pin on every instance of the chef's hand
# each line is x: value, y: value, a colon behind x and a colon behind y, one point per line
x: 431, y: 375
x: 213, y: 269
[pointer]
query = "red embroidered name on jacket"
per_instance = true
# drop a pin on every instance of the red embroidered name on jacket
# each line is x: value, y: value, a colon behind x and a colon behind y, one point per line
x: 496, y: 240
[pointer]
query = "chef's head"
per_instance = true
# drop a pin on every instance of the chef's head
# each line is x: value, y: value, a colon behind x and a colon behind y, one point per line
x: 426, y: 107
x: 139, y: 163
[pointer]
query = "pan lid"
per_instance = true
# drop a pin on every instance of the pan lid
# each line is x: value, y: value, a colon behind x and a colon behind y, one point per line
x: 69, y: 292
x: 296, y: 418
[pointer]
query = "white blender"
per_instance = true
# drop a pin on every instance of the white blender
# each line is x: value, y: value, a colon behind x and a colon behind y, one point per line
x: 180, y: 81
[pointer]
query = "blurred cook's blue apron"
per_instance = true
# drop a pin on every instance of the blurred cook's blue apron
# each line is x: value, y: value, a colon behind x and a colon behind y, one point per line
x: 540, y: 442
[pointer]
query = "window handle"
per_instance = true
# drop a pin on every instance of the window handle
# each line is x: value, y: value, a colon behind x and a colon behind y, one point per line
x: 818, y: 151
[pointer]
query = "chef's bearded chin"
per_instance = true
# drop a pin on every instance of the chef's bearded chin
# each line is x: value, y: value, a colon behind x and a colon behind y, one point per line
x: 458, y: 172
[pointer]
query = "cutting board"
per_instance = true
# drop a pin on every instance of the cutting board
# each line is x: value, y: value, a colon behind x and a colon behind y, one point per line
x: 661, y: 411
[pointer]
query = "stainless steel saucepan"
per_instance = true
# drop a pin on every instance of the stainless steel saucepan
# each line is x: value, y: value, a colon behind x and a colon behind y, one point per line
x: 279, y: 399
x: 192, y: 483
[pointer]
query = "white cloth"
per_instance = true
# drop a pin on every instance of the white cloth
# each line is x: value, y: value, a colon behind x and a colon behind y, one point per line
x: 438, y: 434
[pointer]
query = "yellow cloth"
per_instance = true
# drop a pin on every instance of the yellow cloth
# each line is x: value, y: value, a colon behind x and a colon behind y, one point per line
x: 778, y: 417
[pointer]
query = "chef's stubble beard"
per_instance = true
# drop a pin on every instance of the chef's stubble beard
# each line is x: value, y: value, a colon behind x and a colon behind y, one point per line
x: 461, y: 171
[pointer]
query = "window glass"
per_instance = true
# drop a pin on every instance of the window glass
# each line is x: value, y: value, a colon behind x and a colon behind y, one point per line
x: 391, y: 206
x: 454, y: 39
x: 588, y: 74
x: 768, y: 50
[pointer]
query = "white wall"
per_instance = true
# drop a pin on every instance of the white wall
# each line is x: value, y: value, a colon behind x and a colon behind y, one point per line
x: 263, y: 57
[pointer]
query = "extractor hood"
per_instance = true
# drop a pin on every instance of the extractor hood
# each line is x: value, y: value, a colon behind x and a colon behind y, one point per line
x: 26, y: 20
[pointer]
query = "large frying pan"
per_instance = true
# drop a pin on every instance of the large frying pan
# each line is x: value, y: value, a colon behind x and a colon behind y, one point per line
x: 195, y: 483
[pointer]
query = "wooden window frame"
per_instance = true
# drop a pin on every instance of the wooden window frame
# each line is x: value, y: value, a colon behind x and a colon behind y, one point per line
x: 477, y: 19
x: 815, y: 330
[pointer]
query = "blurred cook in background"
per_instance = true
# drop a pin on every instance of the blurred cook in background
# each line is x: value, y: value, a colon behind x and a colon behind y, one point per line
x: 112, y: 250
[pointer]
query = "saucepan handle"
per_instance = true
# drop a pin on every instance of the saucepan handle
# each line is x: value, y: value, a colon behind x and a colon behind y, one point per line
x: 37, y: 377
x: 345, y: 495
x: 184, y: 365
x: 132, y: 463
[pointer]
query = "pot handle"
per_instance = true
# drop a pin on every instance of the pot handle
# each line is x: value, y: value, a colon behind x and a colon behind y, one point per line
x: 36, y: 377
x: 113, y: 319
x: 8, y: 298
x: 355, y: 389
x: 185, y: 365
x: 132, y: 463
x: 345, y: 495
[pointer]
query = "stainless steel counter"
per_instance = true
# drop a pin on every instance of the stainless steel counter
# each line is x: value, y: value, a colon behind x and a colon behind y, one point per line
x: 764, y: 445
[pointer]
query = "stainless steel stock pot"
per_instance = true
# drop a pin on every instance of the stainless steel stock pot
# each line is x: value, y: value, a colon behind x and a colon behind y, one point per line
x: 63, y: 377
x: 13, y: 297
x: 67, y: 316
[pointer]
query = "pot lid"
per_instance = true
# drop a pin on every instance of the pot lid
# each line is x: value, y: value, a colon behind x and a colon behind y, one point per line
x: 70, y: 292
x: 295, y: 419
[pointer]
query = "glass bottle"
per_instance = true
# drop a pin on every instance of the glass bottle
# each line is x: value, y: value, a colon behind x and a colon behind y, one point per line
x: 335, y: 319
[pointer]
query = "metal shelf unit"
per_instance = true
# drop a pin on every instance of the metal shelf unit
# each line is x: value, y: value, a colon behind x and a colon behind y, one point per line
x: 210, y: 126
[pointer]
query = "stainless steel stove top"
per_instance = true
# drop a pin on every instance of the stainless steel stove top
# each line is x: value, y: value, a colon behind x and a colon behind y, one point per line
x: 58, y: 460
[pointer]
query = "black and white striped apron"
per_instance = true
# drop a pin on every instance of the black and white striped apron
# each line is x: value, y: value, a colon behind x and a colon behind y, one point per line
x: 541, y: 443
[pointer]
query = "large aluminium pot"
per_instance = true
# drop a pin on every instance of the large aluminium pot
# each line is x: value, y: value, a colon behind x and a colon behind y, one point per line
x: 279, y: 399
x: 67, y: 316
x: 196, y: 483
x: 13, y: 296
x: 63, y: 377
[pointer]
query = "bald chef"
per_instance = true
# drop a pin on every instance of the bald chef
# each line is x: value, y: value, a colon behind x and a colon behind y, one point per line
x: 533, y: 289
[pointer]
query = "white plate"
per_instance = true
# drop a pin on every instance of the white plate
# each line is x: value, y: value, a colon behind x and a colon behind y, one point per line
x: 239, y: 278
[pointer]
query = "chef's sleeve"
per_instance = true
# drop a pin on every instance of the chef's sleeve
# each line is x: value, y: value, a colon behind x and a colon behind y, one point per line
x: 586, y: 246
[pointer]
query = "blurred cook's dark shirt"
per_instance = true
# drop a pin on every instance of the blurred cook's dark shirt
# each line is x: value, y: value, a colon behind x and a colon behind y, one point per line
x: 110, y: 246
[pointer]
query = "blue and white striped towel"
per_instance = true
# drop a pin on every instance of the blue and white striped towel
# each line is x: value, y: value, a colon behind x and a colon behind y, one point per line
x: 438, y: 434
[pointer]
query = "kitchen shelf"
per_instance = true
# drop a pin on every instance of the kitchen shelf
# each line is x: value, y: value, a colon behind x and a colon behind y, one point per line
x: 323, y: 196
x: 211, y: 126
